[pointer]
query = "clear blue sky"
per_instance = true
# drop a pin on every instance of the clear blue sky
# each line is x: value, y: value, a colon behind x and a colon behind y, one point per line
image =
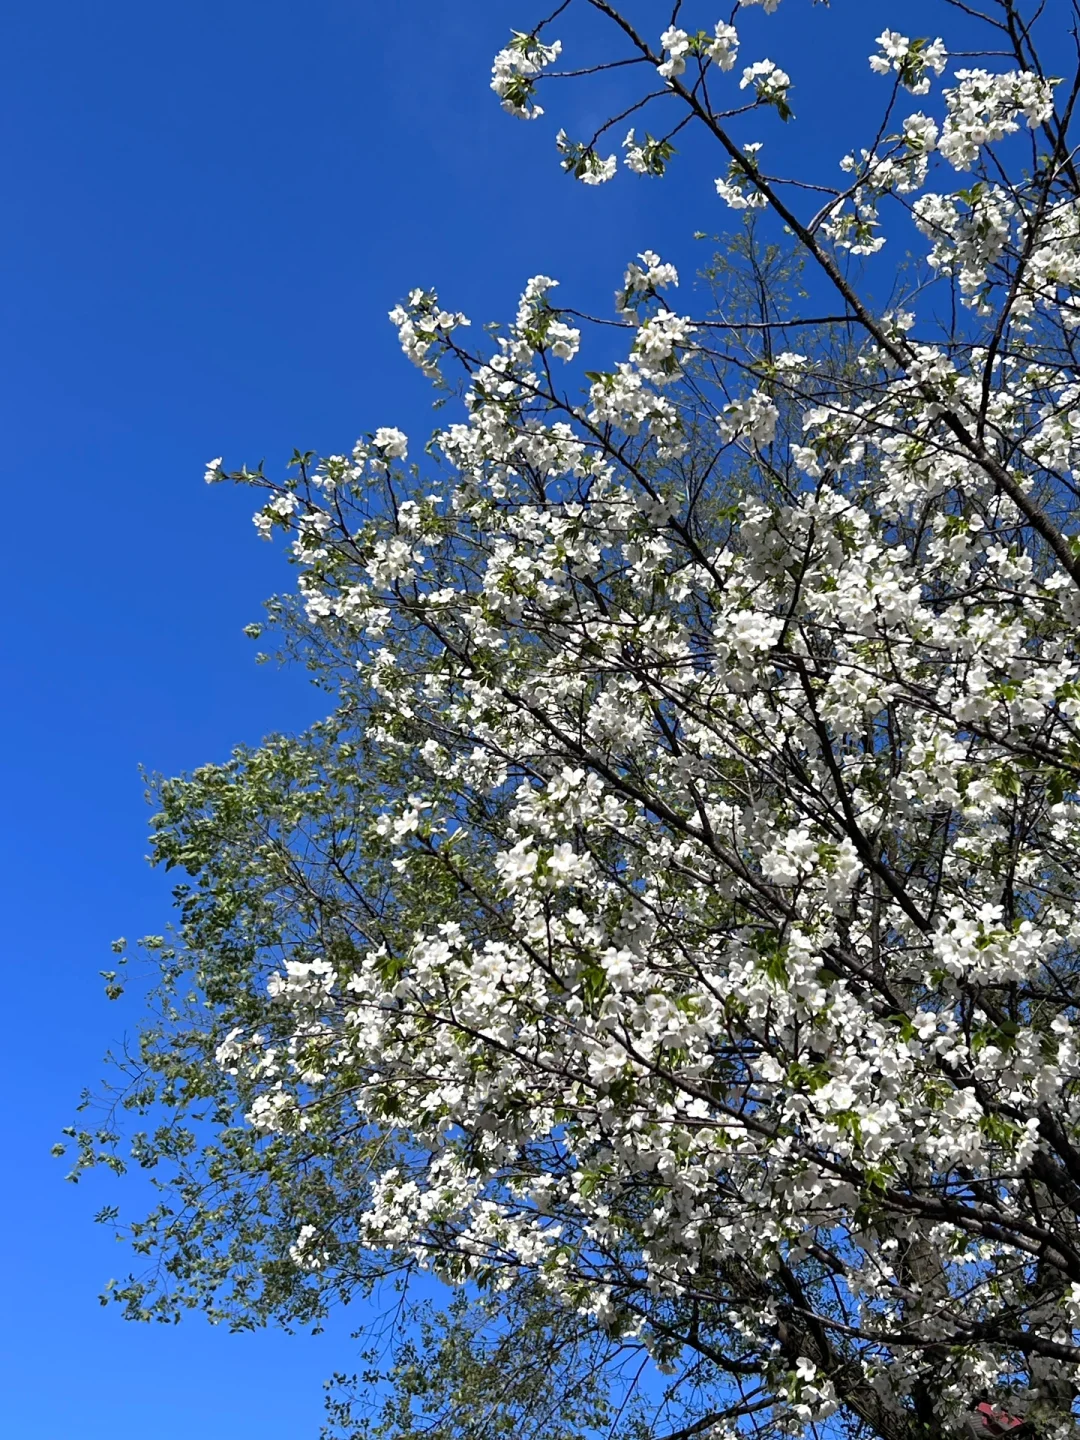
x: 209, y: 208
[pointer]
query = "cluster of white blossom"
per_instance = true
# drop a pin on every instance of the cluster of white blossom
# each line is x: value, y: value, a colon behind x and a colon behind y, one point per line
x: 648, y: 156
x: 582, y: 161
x: 641, y: 282
x: 769, y: 83
x: 983, y: 108
x: 721, y: 48
x: 422, y: 327
x: 913, y: 63
x: 514, y: 71
x: 737, y: 189
x: 676, y: 45
x: 753, y: 417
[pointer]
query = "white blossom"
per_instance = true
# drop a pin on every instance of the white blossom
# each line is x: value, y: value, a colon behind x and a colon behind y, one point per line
x: 769, y: 82
x: 983, y: 108
x: 912, y: 62
x: 515, y: 70
x: 723, y: 49
x: 391, y: 444
x: 754, y: 418
x: 676, y: 43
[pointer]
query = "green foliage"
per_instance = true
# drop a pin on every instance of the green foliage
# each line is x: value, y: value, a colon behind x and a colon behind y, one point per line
x: 510, y: 1364
x: 272, y: 846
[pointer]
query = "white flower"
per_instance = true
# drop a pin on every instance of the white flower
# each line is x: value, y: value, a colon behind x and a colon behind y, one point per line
x: 921, y: 132
x: 517, y: 865
x: 652, y: 274
x: 635, y: 157
x: 213, y: 470
x: 301, y: 1252
x: 563, y: 340
x: 984, y: 108
x: 657, y: 341
x: 392, y: 444
x: 677, y: 43
x: 598, y: 171
x: 647, y: 157
x: 911, y: 61
x: 770, y: 82
x: 515, y: 70
x: 424, y: 327
x: 566, y: 867
x: 737, y: 188
x: 753, y: 418
x: 582, y: 162
x: 229, y: 1053
x: 723, y: 50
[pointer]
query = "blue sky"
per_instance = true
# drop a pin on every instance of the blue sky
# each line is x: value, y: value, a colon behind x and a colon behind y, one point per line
x: 209, y: 210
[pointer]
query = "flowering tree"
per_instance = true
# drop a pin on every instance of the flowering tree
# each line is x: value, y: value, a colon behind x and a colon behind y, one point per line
x: 673, y: 931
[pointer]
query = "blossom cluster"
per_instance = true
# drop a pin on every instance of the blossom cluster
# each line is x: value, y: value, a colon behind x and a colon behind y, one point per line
x: 514, y: 72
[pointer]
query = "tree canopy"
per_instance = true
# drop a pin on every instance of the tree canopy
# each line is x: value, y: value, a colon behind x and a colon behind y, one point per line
x: 669, y: 938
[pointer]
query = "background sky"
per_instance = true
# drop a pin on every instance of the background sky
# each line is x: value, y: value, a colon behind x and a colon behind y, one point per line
x: 209, y: 209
